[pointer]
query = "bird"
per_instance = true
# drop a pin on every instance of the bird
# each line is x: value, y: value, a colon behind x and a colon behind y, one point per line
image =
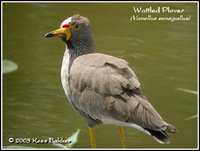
x: 102, y: 88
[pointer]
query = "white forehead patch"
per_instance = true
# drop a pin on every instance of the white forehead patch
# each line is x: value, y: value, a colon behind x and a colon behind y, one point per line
x: 66, y: 21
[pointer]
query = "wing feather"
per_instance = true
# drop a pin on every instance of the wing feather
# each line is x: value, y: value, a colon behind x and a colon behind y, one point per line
x: 106, y: 87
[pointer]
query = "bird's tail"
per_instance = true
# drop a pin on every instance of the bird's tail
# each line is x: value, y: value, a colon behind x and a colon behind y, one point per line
x: 162, y: 136
x: 171, y: 129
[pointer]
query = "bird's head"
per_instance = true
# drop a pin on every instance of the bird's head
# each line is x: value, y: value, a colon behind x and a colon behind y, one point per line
x: 75, y: 27
x: 75, y: 32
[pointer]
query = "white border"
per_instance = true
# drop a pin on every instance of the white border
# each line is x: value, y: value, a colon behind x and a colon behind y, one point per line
x: 197, y: 2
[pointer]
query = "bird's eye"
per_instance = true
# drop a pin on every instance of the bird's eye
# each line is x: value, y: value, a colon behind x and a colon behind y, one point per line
x: 77, y: 26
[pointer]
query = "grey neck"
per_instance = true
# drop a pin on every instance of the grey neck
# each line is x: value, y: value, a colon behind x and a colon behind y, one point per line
x: 78, y: 50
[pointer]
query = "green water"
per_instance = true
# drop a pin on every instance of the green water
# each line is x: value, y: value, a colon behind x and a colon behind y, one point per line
x: 163, y: 54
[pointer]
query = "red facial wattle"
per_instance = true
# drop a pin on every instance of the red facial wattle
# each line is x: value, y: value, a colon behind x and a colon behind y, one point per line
x: 65, y: 25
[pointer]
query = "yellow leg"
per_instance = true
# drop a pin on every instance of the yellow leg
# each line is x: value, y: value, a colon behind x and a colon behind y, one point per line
x: 92, y: 138
x: 121, y: 133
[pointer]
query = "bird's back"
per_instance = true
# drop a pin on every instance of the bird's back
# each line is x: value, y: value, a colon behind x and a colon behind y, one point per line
x: 104, y: 87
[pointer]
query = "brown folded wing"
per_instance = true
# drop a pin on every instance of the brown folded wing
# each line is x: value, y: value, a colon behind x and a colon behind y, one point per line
x: 103, y: 86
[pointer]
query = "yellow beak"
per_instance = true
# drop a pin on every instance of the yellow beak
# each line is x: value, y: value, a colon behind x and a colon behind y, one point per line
x: 61, y: 32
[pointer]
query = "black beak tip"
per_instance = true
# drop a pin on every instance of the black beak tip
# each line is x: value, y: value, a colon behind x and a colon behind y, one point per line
x: 48, y: 35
